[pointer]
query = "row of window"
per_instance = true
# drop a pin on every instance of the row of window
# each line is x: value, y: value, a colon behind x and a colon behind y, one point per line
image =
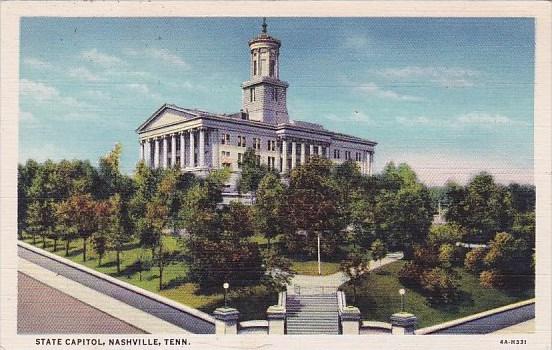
x: 337, y: 155
x: 272, y: 90
x: 258, y: 67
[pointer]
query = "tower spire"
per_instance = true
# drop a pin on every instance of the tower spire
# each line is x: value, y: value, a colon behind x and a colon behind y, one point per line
x: 264, y: 25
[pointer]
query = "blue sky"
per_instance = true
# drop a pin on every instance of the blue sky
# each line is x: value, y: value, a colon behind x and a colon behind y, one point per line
x: 451, y: 97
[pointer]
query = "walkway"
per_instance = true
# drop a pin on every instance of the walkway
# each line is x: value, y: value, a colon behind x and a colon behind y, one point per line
x: 306, y: 284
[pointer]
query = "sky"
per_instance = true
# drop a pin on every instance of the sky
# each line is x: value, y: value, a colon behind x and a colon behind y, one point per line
x: 450, y: 97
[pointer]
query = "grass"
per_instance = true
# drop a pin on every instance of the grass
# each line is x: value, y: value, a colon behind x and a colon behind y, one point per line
x: 252, y: 302
x: 378, y: 297
x: 311, y: 267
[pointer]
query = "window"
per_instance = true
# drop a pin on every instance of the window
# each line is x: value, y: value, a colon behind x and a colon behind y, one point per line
x: 240, y: 160
x: 337, y: 154
x: 226, y: 165
x: 251, y: 94
x: 256, y: 143
x: 271, y: 145
x: 258, y: 159
x: 271, y: 162
x: 347, y: 155
x: 241, y: 141
x: 225, y: 140
x: 255, y: 67
x: 358, y: 157
x: 226, y: 154
x: 271, y: 68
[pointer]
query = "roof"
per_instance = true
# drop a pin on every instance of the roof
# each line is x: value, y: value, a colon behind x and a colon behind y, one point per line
x: 237, y: 118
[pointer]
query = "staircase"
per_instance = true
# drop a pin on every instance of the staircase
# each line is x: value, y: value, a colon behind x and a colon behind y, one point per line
x: 312, y: 314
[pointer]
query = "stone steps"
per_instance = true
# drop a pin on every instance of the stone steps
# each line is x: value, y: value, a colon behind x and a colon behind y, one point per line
x: 312, y: 314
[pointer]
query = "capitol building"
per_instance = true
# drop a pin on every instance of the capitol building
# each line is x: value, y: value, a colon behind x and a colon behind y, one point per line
x: 197, y: 141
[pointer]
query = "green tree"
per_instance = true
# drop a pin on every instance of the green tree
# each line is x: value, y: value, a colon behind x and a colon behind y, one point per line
x: 474, y: 261
x: 355, y: 266
x: 523, y: 197
x: 102, y: 237
x: 445, y: 234
x: 25, y: 175
x: 378, y: 249
x: 268, y: 212
x: 252, y: 172
x: 313, y: 206
x: 524, y: 227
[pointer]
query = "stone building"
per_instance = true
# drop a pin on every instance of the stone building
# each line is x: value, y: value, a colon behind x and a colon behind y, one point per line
x: 198, y: 141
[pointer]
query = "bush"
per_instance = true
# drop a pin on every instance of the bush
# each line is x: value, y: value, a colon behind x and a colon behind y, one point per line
x: 474, y: 261
x: 446, y: 255
x: 440, y: 285
x: 410, y: 275
x: 491, y: 279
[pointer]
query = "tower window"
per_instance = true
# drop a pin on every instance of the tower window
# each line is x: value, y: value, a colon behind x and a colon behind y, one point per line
x: 271, y: 68
x: 255, y: 67
x: 251, y: 94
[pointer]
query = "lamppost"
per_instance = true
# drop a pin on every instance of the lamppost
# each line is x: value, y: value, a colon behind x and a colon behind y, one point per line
x: 225, y: 285
x: 402, y: 292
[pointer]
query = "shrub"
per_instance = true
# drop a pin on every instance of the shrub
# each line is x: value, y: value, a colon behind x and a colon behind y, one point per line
x: 491, y: 279
x: 440, y: 285
x: 410, y: 275
x: 474, y: 261
x: 446, y: 255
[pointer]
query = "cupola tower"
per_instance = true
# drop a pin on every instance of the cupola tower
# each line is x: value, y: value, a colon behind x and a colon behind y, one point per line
x: 264, y: 94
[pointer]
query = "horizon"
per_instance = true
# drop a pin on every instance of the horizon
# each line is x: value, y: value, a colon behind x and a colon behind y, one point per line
x: 430, y: 91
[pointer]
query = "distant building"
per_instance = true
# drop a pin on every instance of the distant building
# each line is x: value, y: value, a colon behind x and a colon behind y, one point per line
x: 198, y: 141
x: 439, y: 218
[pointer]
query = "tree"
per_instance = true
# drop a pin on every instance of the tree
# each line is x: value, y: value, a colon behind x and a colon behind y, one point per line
x: 157, y: 220
x: 524, y: 227
x: 445, y: 234
x: 355, y: 266
x: 25, y: 175
x: 66, y: 224
x: 523, y: 197
x: 143, y: 262
x: 510, y: 258
x: 483, y: 208
x: 440, y: 285
x: 102, y: 237
x: 313, y: 206
x: 378, y: 249
x: 268, y: 212
x: 79, y: 211
x: 474, y: 260
x: 252, y: 172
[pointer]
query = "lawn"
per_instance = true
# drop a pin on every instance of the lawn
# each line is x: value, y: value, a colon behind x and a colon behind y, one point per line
x: 311, y: 267
x: 252, y: 302
x: 378, y: 298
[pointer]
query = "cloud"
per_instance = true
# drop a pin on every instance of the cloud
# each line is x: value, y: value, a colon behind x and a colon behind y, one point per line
x: 139, y: 88
x: 356, y: 41
x: 471, y: 119
x: 42, y: 93
x: 354, y: 117
x: 487, y: 119
x: 375, y: 90
x: 442, y: 76
x: 37, y: 63
x: 100, y: 58
x: 160, y: 54
x: 84, y: 74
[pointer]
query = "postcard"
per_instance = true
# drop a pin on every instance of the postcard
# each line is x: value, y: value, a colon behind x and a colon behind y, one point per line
x: 275, y: 174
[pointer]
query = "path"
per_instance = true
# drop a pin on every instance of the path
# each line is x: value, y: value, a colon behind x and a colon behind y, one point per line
x: 306, y: 284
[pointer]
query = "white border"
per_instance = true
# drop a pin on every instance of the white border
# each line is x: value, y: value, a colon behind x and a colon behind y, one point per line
x: 540, y: 10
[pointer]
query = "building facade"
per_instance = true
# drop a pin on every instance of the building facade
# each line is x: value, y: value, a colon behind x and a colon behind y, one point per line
x: 198, y: 141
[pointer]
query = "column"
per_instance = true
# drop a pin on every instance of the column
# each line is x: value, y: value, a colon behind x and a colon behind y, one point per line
x: 319, y: 150
x: 293, y: 154
x: 215, y: 149
x: 201, y: 148
x: 142, y: 145
x: 156, y: 154
x: 226, y: 321
x: 284, y: 156
x: 276, y: 315
x: 164, y: 163
x: 403, y: 323
x: 173, y: 149
x: 182, y: 147
x: 370, y: 163
x: 192, y: 149
x: 350, y: 320
x: 311, y: 150
x: 302, y: 159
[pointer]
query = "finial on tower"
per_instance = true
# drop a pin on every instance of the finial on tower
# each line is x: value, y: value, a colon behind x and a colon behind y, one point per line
x: 264, y: 25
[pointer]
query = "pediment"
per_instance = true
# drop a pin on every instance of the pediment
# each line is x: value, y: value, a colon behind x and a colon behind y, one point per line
x: 165, y: 116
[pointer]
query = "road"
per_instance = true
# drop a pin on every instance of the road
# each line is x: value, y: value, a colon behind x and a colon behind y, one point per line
x: 163, y: 311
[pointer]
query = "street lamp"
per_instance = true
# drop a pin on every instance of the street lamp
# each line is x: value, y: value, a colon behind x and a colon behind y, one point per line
x: 225, y: 285
x: 402, y: 292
